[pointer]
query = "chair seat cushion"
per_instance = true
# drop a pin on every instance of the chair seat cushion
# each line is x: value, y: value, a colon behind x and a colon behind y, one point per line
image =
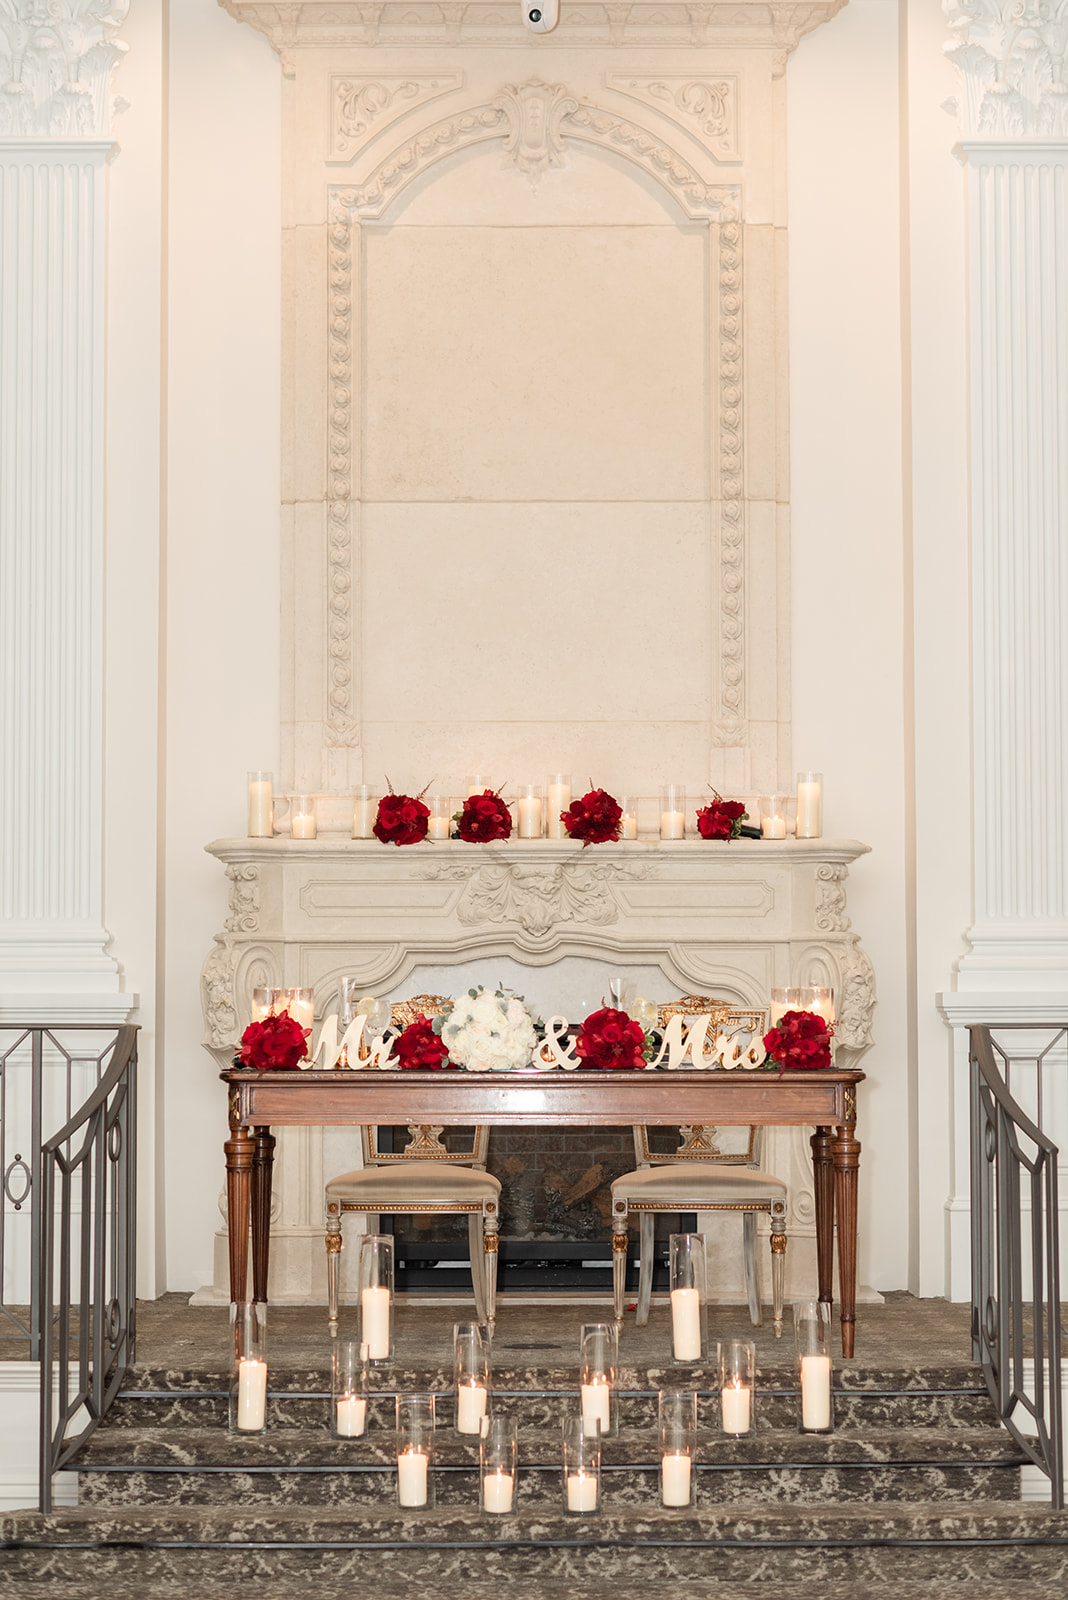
x: 427, y: 1181
x: 697, y: 1180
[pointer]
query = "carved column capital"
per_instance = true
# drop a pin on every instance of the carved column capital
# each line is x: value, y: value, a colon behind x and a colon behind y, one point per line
x: 56, y: 61
x: 1011, y: 58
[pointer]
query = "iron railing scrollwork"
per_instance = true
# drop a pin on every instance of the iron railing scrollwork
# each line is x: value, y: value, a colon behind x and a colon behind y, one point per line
x: 1015, y: 1247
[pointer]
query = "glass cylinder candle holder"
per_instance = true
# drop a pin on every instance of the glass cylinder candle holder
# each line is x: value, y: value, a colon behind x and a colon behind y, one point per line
x: 809, y: 805
x: 581, y: 1482
x: 628, y: 827
x: 376, y: 1295
x: 472, y: 1375
x: 248, y: 1367
x: 498, y: 1467
x: 689, y: 1308
x: 597, y: 1376
x: 773, y: 810
x: 672, y: 811
x: 302, y: 816
x: 261, y: 805
x: 677, y: 1414
x: 530, y: 812
x: 812, y: 1330
x: 348, y: 1389
x: 364, y: 812
x: 820, y: 999
x: 300, y: 1003
x: 783, y: 1000
x: 439, y: 824
x: 737, y: 1387
x: 415, y: 1450
x: 557, y: 800
x: 478, y: 783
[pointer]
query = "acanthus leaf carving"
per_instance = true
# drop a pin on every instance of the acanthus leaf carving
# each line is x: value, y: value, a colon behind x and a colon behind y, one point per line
x: 831, y: 897
x: 706, y: 107
x: 244, y: 897
x: 857, y: 1002
x: 358, y: 103
x: 534, y: 110
x: 56, y: 62
x: 1012, y: 56
x: 535, y: 897
x: 217, y: 995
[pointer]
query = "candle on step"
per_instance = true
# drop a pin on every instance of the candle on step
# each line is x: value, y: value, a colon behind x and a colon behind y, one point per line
x: 734, y: 1403
x: 596, y: 1404
x: 412, y: 1477
x: 497, y: 1489
x: 374, y: 1303
x: 351, y: 1416
x: 251, y: 1395
x: 816, y: 1393
x: 675, y: 1480
x: 686, y: 1324
x: 470, y: 1407
x: 582, y: 1491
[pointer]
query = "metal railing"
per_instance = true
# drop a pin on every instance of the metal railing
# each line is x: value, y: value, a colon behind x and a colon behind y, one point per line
x: 1015, y: 1245
x: 75, y: 1251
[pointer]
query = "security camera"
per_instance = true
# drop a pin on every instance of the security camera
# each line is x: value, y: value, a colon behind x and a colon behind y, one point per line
x: 541, y: 16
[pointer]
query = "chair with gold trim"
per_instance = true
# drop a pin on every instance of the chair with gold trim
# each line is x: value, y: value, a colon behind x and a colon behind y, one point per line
x: 423, y: 1179
x: 699, y: 1176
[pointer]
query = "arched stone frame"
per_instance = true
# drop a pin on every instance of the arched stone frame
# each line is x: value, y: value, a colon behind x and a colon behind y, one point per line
x: 533, y: 122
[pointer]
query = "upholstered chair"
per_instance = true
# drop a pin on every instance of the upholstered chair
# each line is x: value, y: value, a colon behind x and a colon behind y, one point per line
x: 700, y: 1177
x: 423, y: 1179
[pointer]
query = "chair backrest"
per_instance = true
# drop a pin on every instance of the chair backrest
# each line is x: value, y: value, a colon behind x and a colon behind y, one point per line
x: 697, y: 1141
x: 424, y: 1143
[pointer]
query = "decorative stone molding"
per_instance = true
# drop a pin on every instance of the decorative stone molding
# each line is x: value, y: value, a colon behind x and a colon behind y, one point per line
x: 536, y: 897
x: 244, y: 898
x: 707, y: 107
x: 326, y: 25
x: 1013, y: 60
x: 830, y: 903
x: 56, y: 61
x: 533, y: 141
x: 362, y: 105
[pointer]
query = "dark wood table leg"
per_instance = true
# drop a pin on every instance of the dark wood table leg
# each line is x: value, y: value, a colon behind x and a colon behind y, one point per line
x: 823, y: 1176
x: 262, y: 1170
x: 846, y: 1173
x: 238, y: 1149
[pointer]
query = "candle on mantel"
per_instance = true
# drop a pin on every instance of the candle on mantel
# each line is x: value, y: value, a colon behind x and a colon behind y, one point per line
x: 260, y: 808
x: 374, y: 1303
x: 734, y: 1406
x: 303, y: 824
x: 351, y: 1415
x: 557, y: 800
x: 773, y: 827
x: 672, y: 824
x: 809, y: 820
x: 497, y: 1490
x: 686, y: 1324
x: 439, y: 827
x: 816, y: 1393
x: 251, y: 1394
x: 582, y: 1491
x: 364, y: 812
x: 412, y: 1477
x: 675, y: 1480
x: 629, y: 827
x: 470, y: 1407
x: 529, y: 817
x: 596, y: 1404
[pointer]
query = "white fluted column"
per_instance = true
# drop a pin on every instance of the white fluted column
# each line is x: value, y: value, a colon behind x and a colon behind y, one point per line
x: 1012, y: 58
x: 55, y: 68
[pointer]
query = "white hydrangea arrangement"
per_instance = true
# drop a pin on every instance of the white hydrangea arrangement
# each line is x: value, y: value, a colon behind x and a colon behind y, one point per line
x: 488, y: 1031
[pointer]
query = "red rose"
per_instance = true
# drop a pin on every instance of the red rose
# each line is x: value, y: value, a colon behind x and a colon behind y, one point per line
x: 402, y: 819
x: 594, y: 819
x: 721, y: 819
x: 484, y: 818
x: 610, y: 1039
x: 420, y: 1046
x: 274, y: 1043
x: 800, y: 1039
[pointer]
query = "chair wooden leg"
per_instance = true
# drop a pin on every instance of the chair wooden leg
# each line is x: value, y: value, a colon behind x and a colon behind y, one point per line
x: 490, y: 1223
x: 749, y: 1256
x: 333, y: 1266
x: 646, y: 1231
x: 619, y: 1266
x: 778, y: 1261
x: 478, y: 1271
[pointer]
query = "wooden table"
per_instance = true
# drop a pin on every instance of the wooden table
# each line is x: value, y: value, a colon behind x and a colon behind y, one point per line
x: 826, y: 1100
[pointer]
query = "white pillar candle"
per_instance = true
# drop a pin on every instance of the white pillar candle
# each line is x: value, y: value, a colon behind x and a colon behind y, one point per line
x: 734, y: 1401
x: 558, y: 798
x: 251, y: 1394
x: 351, y: 1416
x: 470, y: 1407
x: 374, y: 1303
x: 439, y: 827
x: 582, y: 1491
x: 529, y: 817
x: 497, y: 1490
x: 411, y: 1477
x: 630, y: 825
x: 364, y: 812
x: 686, y: 1324
x: 815, y: 1391
x: 773, y: 827
x: 260, y: 810
x: 672, y: 824
x: 808, y: 811
x: 596, y: 1405
x: 675, y: 1480
x: 303, y: 825
x: 302, y: 1011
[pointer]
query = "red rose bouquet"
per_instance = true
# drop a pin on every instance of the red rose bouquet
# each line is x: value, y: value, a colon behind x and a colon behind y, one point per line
x: 484, y: 818
x: 419, y: 1046
x: 594, y: 819
x: 274, y: 1043
x: 402, y: 819
x: 610, y: 1039
x: 799, y: 1039
x: 721, y: 819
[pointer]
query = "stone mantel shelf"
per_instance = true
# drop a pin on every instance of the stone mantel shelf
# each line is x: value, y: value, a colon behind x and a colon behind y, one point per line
x: 541, y: 850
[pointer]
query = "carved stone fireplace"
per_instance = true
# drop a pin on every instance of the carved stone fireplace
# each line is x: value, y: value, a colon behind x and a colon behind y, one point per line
x: 726, y: 920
